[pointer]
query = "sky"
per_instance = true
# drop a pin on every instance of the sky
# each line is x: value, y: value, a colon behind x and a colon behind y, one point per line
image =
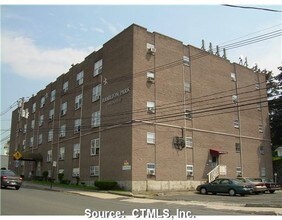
x: 40, y: 42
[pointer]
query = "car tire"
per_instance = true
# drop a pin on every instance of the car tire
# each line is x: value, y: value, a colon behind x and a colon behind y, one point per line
x: 17, y: 187
x: 242, y: 194
x: 271, y: 191
x: 232, y: 192
x: 203, y: 191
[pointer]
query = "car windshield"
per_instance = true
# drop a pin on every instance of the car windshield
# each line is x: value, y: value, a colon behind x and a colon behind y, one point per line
x: 7, y: 173
x: 237, y: 182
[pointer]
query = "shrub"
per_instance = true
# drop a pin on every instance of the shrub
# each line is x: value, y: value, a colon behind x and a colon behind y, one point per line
x: 45, y: 175
x: 60, y: 177
x: 105, y: 184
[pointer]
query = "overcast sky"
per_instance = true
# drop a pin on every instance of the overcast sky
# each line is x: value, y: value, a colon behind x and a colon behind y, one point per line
x: 39, y: 43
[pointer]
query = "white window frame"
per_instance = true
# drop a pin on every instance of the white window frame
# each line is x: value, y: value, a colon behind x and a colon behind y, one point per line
x: 50, y: 135
x: 260, y: 128
x: 151, y: 138
x: 31, y: 142
x: 98, y: 67
x: 64, y: 108
x: 51, y: 114
x: 65, y: 87
x: 40, y: 138
x: 151, y: 77
x: 76, y: 151
x: 41, y: 119
x: 234, y: 99
x: 77, y: 125
x: 237, y: 147
x: 42, y: 101
x: 233, y: 77
x: 257, y: 86
x: 79, y: 78
x: 95, y: 147
x: 96, y: 93
x: 32, y: 124
x: 187, y: 87
x: 63, y: 130
x: 238, y: 171
x: 151, y: 169
x: 78, y: 101
x: 189, y: 142
x: 151, y: 107
x: 75, y: 172
x: 236, y: 123
x: 96, y: 119
x: 189, y: 170
x: 53, y: 95
x: 49, y: 156
x: 61, y: 153
x: 25, y: 128
x: 33, y: 107
x: 186, y: 61
x: 263, y: 172
x: 94, y: 170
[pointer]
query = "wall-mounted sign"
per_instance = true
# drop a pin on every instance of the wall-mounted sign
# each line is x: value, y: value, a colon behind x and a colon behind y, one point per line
x: 115, y: 97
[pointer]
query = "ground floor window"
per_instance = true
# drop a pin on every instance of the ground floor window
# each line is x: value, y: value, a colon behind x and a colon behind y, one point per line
x: 151, y: 169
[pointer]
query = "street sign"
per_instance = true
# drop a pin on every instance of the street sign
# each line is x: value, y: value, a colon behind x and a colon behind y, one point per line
x: 17, y: 155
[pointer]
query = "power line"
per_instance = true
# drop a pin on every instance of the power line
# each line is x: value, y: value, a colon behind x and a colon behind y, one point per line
x: 250, y: 7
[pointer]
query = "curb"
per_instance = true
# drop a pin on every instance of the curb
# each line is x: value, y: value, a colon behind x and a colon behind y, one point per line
x: 263, y: 205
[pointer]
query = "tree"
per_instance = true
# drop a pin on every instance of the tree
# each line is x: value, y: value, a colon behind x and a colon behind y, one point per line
x: 274, y: 91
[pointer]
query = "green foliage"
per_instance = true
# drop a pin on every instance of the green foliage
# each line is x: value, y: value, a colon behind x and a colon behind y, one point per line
x: 105, y: 184
x: 60, y: 177
x: 45, y: 175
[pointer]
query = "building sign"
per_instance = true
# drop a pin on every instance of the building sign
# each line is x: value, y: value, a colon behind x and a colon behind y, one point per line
x: 115, y: 97
x: 126, y: 165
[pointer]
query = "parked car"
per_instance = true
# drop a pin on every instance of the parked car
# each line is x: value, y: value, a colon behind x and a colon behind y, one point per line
x: 9, y: 178
x: 258, y: 186
x: 225, y: 185
x: 270, y: 185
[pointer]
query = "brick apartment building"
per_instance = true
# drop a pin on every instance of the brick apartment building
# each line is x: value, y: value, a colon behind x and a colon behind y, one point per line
x: 149, y: 112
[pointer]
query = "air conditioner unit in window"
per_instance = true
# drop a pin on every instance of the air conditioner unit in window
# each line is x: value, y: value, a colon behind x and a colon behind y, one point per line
x: 100, y: 70
x: 152, y: 172
x: 152, y: 50
x: 62, y: 135
x: 190, y: 173
x: 77, y: 155
x: 95, y: 98
x: 235, y: 99
x: 151, y: 110
x: 151, y: 79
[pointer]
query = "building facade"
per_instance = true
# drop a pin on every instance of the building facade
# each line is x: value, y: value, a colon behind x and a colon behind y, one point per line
x: 148, y: 112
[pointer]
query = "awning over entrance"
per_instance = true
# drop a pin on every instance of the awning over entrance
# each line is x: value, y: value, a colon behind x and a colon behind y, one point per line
x: 28, y: 156
x: 217, y: 152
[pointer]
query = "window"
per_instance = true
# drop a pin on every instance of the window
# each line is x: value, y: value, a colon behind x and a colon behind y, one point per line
x: 259, y: 106
x: 42, y: 102
x: 238, y: 171
x: 32, y: 124
x: 76, y: 151
x: 98, y: 67
x: 186, y: 60
x: 263, y: 172
x: 233, y: 77
x: 61, y: 170
x: 49, y: 156
x: 234, y: 99
x: 261, y: 150
x: 65, y: 87
x: 151, y: 169
x: 53, y: 95
x: 40, y: 138
x: 257, y: 86
x: 78, y: 101
x: 237, y: 147
x: 151, y: 77
x: 151, y: 49
x: 40, y: 122
x: 24, y: 142
x: 95, y: 120
x: 236, y: 123
x: 188, y: 142
x: 189, y: 170
x: 96, y: 93
x: 62, y: 153
x: 50, y: 135
x: 25, y: 128
x: 150, y: 138
x: 75, y: 172
x: 260, y: 128
x: 188, y: 114
x: 64, y: 107
x: 94, y: 170
x: 95, y: 146
x: 63, y: 131
x: 33, y: 107
x: 79, y: 78
x: 31, y: 141
x: 51, y: 114
x: 151, y: 107
x: 187, y: 87
x: 77, y: 125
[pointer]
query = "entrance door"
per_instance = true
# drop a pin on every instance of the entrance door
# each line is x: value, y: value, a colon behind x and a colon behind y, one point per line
x: 214, y: 161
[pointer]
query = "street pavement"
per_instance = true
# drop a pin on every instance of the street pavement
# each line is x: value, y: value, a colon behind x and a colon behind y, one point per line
x: 251, y: 204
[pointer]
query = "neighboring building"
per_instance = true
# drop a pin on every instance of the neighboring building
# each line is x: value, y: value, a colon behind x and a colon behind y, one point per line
x: 149, y: 112
x: 5, y: 156
x: 279, y: 151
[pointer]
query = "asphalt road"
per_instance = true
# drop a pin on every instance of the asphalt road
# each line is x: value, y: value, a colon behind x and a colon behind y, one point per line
x: 27, y: 201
